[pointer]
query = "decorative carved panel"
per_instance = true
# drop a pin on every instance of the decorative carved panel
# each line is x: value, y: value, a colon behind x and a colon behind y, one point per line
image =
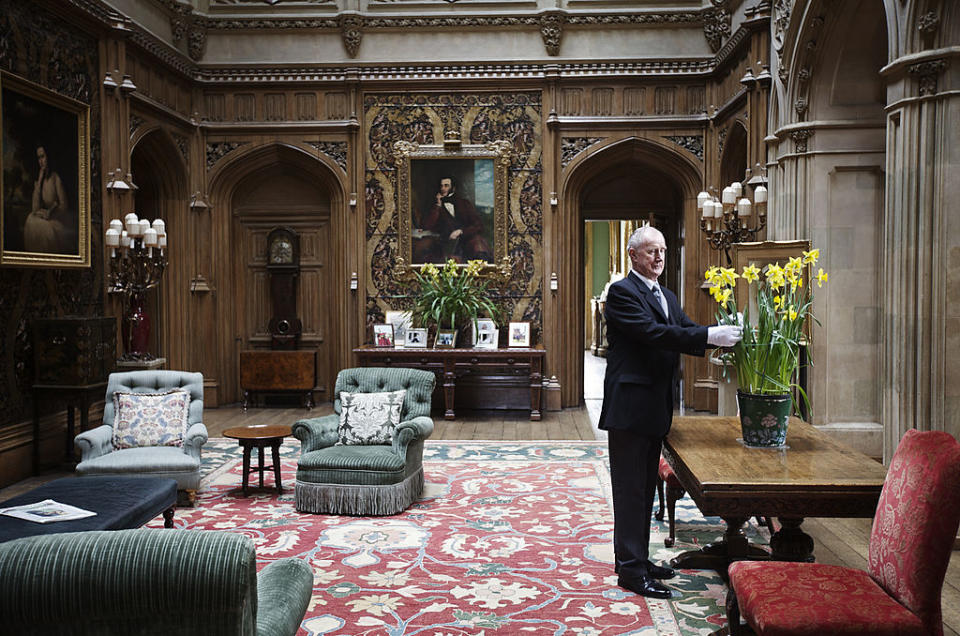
x: 570, y: 101
x: 275, y: 107
x: 214, y: 105
x: 634, y: 100
x: 245, y: 107
x: 335, y: 105
x: 695, y: 100
x: 602, y: 101
x: 306, y: 106
x: 665, y: 100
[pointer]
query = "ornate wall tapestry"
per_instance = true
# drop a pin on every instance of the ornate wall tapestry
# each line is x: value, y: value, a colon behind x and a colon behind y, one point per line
x: 49, y: 52
x: 478, y: 118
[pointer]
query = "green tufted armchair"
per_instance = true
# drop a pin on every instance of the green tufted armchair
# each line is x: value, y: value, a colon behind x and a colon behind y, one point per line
x: 365, y: 480
x: 149, y: 582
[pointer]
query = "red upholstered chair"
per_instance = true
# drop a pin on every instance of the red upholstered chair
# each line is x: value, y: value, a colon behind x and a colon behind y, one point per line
x: 674, y: 493
x: 910, y: 544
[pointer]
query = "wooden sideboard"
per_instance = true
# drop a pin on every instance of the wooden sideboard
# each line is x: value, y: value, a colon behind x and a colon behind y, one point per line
x: 447, y: 364
x: 280, y: 371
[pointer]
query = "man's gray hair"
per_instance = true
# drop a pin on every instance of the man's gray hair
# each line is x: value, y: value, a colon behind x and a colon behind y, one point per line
x: 641, y: 235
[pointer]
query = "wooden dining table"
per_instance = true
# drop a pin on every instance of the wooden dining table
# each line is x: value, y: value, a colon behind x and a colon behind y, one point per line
x: 812, y: 476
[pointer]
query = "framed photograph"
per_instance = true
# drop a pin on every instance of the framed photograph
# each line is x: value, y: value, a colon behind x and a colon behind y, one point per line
x: 416, y: 337
x: 383, y: 335
x: 453, y: 203
x: 519, y: 334
x: 482, y: 331
x: 45, y: 194
x: 401, y: 321
x: 488, y: 339
x: 446, y: 339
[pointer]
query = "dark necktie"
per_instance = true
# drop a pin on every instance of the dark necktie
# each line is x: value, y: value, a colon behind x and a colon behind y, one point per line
x: 660, y: 298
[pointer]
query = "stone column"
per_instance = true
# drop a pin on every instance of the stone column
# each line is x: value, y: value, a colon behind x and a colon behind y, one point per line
x: 921, y: 241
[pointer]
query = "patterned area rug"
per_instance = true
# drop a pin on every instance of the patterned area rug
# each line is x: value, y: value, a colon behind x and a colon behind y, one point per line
x: 508, y: 538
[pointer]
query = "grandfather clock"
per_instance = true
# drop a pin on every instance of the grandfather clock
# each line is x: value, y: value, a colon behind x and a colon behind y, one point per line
x: 283, y: 267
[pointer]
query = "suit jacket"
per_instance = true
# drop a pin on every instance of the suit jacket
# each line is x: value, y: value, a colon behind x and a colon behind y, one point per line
x: 643, y: 357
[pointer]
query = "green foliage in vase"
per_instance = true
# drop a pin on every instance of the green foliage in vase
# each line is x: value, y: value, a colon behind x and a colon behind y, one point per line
x: 451, y: 294
x: 767, y: 358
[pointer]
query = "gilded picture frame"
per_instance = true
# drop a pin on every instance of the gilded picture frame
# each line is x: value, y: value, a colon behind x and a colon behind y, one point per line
x: 452, y: 203
x: 44, y: 222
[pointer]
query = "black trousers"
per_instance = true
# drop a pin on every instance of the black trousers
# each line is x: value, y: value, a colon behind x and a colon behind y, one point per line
x: 634, y: 460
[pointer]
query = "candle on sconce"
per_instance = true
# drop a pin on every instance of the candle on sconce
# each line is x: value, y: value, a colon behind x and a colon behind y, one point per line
x: 117, y: 225
x: 144, y: 226
x: 150, y: 240
x: 737, y: 189
x: 112, y: 240
x: 702, y: 198
x: 132, y: 225
x: 162, y: 242
x: 744, y: 207
x: 717, y: 210
x: 728, y: 198
x: 125, y: 240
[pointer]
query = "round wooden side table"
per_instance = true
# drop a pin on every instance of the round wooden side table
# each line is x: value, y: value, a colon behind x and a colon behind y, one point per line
x: 259, y: 437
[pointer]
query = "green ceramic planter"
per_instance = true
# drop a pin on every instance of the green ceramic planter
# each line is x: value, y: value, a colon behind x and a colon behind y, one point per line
x: 763, y: 418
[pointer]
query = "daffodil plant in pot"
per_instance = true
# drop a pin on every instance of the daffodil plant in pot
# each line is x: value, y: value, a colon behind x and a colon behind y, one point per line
x: 452, y: 296
x: 767, y: 358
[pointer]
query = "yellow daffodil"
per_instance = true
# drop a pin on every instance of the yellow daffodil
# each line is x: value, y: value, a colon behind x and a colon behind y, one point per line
x: 710, y: 273
x: 792, y: 313
x: 811, y: 257
x: 793, y: 266
x: 729, y: 276
x: 821, y: 277
x: 724, y: 296
x: 778, y: 301
x: 751, y: 273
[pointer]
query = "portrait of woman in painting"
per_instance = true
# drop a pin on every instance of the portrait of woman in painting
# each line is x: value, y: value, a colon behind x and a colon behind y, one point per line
x: 51, y: 226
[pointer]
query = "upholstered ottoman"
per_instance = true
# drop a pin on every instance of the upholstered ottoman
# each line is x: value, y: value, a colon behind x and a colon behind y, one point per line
x: 120, y: 502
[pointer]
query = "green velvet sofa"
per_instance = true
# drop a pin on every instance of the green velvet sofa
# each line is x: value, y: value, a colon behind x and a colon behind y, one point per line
x: 148, y: 582
x: 365, y: 480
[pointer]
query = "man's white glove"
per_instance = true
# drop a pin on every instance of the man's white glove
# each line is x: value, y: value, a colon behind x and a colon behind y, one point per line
x: 724, y: 335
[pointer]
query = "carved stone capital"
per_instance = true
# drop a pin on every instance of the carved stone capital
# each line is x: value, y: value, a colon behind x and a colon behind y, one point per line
x: 800, y: 138
x: 196, y: 42
x: 928, y: 23
x: 551, y: 30
x: 351, y: 30
x: 927, y: 72
x: 716, y: 26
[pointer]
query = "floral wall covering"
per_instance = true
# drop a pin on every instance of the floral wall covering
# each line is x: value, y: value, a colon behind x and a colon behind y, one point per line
x: 45, y: 50
x: 480, y: 118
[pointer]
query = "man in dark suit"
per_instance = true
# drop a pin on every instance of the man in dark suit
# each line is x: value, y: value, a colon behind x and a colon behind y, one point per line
x: 646, y: 333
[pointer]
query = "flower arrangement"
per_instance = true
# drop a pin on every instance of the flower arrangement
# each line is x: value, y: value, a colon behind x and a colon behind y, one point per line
x: 451, y: 293
x: 766, y: 359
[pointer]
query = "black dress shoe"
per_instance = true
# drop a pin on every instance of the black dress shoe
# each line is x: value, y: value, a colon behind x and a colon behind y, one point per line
x: 660, y: 572
x: 644, y: 586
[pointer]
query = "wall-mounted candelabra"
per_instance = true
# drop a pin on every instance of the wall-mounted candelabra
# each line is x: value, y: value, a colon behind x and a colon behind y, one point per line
x: 729, y: 218
x: 137, y: 260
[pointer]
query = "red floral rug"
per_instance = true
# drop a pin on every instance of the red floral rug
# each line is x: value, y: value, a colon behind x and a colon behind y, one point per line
x: 514, y: 546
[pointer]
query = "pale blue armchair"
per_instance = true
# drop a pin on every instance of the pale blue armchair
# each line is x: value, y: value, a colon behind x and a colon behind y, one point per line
x: 182, y: 463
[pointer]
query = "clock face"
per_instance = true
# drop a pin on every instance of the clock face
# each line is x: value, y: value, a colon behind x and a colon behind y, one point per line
x: 281, y: 251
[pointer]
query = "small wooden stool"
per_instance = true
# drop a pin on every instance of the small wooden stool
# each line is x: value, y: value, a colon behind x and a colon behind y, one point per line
x: 258, y: 437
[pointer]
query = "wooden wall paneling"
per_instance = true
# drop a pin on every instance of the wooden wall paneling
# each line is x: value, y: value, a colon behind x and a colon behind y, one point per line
x: 305, y: 107
x: 634, y: 100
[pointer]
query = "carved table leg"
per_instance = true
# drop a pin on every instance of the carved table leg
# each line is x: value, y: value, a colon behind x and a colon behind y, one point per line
x: 718, y: 555
x: 790, y: 543
x: 276, y: 463
x: 246, y: 401
x: 260, y: 467
x: 449, y: 386
x: 247, y: 447
x: 168, y: 517
x: 536, y: 386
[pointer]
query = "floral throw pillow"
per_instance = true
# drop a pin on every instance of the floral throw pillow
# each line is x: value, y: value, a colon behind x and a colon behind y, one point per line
x: 369, y: 418
x: 150, y: 419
